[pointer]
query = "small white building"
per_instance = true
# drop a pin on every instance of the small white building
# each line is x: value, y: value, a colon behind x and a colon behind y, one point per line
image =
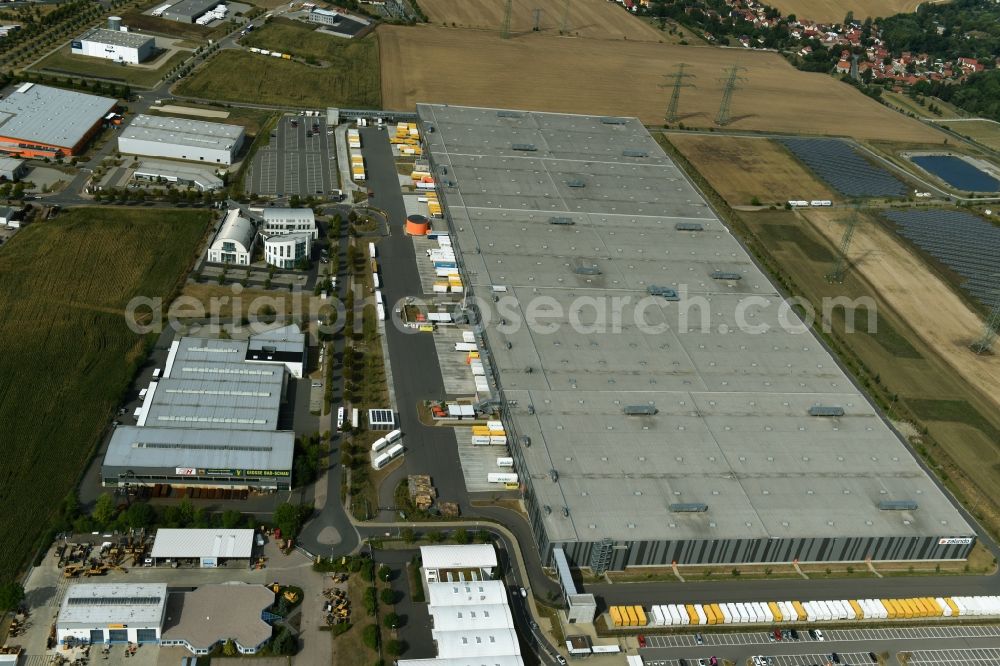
x: 12, y: 169
x: 288, y: 221
x: 210, y: 547
x: 235, y: 241
x: 112, y: 612
x: 127, y: 47
x: 438, y: 560
x: 287, y: 250
x: 10, y: 217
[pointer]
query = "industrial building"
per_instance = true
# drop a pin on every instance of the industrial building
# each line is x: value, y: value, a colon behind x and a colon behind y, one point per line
x: 117, y: 45
x: 675, y: 409
x: 212, y: 418
x: 338, y: 23
x: 12, y: 169
x: 112, y: 613
x: 181, y: 139
x: 288, y: 221
x: 471, y: 619
x: 287, y: 250
x: 209, y: 548
x: 210, y: 615
x: 187, y: 11
x: 39, y: 121
x: 438, y: 562
x: 234, y: 243
x: 179, y: 173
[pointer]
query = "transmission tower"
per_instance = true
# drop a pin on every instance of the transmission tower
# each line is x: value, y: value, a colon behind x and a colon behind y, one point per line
x: 564, y: 24
x: 985, y: 343
x: 505, y: 30
x: 538, y: 15
x: 677, y: 83
x: 837, y: 275
x: 731, y: 81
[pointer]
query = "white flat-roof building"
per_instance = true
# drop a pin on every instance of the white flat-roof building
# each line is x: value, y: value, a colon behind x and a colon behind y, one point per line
x: 235, y: 241
x: 287, y: 250
x: 112, y: 612
x: 472, y: 623
x: 12, y: 168
x: 128, y: 47
x: 288, y: 221
x: 181, y: 139
x: 211, y: 547
x: 199, y: 177
x: 436, y: 560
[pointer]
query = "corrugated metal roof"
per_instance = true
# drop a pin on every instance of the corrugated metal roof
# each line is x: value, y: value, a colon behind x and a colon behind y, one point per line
x: 149, y: 446
x: 115, y: 37
x: 480, y: 592
x: 471, y: 556
x: 191, y: 543
x: 53, y: 116
x: 182, y: 132
x: 101, y: 604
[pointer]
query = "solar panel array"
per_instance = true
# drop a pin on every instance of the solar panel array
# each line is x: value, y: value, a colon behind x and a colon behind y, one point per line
x: 967, y: 244
x: 113, y: 601
x: 845, y: 169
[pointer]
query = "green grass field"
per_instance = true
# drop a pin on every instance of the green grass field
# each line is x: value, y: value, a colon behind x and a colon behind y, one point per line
x: 63, y: 62
x: 250, y: 118
x: 66, y: 354
x: 350, y: 80
x: 300, y: 40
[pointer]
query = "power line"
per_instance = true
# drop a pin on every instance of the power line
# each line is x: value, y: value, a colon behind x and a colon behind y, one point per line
x: 675, y: 96
x: 985, y: 343
x: 505, y: 29
x: 564, y: 24
x: 538, y: 16
x: 732, y: 81
x: 840, y: 269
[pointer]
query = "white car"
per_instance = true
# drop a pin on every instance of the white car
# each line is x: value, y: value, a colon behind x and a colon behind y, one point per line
x: 820, y: 636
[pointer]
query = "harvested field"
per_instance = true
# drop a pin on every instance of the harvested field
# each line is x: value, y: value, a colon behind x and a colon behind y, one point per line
x: 985, y: 132
x: 351, y: 80
x: 590, y: 19
x: 918, y: 352
x: 835, y: 10
x: 623, y: 78
x: 67, y: 352
x: 742, y: 168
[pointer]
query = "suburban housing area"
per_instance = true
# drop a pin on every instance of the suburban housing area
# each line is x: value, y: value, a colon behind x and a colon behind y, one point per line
x: 654, y: 333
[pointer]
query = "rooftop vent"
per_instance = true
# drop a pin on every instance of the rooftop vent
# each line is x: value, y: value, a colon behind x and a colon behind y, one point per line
x: 665, y: 292
x: 640, y: 410
x: 688, y: 507
x: 554, y: 475
x: 547, y: 509
x: 509, y: 114
x: 613, y: 121
x: 562, y: 220
x: 635, y: 153
x: 824, y: 410
x: 526, y: 147
x: 689, y: 226
x: 525, y: 441
x: 575, y: 182
x: 897, y: 505
x: 726, y: 275
x: 565, y: 512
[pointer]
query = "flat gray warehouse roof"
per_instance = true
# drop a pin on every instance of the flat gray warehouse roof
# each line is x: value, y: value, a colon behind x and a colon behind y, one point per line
x: 151, y: 447
x: 115, y: 37
x: 182, y: 132
x: 52, y: 116
x: 730, y: 385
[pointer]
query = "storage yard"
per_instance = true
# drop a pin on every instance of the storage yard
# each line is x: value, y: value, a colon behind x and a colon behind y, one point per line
x: 351, y: 79
x: 692, y: 506
x: 740, y: 169
x: 585, y: 76
x: 588, y: 19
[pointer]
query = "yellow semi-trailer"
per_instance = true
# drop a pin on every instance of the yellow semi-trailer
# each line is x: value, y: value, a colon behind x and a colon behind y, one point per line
x: 633, y: 621
x: 616, y: 616
x: 800, y: 612
x: 691, y: 613
x: 955, y: 612
x: 938, y: 610
x: 890, y: 609
x: 775, y: 611
x: 640, y: 616
x: 716, y: 613
x: 859, y: 612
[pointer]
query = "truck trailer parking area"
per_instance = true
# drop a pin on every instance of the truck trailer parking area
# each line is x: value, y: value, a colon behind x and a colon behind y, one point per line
x: 831, y: 635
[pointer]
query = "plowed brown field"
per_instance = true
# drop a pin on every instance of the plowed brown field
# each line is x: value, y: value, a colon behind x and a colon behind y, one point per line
x: 550, y: 73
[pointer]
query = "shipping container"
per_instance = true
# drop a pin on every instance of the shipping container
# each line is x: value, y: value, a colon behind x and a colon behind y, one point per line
x: 700, y: 613
x: 776, y: 613
x: 616, y: 618
x: 503, y: 477
x: 480, y: 430
x: 379, y: 444
x: 709, y: 610
x: 946, y: 609
x: 800, y: 612
x: 654, y: 613
x: 479, y: 440
x: 766, y: 610
x: 629, y: 613
x: 466, y: 346
x: 641, y: 616
x: 381, y: 461
x: 355, y: 418
x: 859, y: 612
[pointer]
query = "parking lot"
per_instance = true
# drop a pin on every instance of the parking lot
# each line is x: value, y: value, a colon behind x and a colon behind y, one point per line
x: 954, y: 657
x: 846, y: 659
x: 837, y: 635
x: 297, y: 160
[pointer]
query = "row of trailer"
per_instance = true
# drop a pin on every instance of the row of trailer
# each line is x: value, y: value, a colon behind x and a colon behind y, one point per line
x: 447, y: 278
x: 273, y: 54
x: 386, y: 449
x: 380, y: 304
x: 814, y: 203
x: 778, y: 612
x: 354, y: 150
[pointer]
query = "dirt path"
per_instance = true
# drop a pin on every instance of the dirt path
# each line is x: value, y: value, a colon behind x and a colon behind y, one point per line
x: 926, y: 301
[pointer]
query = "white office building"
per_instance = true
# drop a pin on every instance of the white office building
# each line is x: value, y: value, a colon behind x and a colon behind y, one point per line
x: 287, y: 250
x: 181, y: 139
x: 288, y: 221
x: 112, y: 613
x: 235, y: 241
x: 127, y: 47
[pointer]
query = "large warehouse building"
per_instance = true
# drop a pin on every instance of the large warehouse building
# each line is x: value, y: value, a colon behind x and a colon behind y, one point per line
x: 127, y: 47
x: 39, y: 121
x: 698, y: 430
x: 212, y: 419
x: 181, y: 139
x: 188, y: 11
